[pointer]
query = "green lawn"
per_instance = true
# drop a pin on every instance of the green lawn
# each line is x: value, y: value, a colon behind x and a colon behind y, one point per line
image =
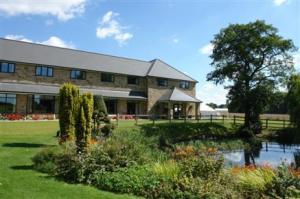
x: 19, y: 141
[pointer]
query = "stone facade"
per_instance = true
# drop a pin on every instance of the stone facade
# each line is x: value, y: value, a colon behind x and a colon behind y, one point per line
x: 25, y: 73
x: 155, y: 92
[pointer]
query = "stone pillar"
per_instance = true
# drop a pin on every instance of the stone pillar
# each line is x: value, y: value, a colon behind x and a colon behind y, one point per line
x: 197, y: 105
x: 21, y: 103
x: 170, y: 110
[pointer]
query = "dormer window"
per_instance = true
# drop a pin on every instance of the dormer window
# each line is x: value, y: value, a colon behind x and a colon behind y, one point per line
x: 78, y: 74
x: 184, y: 84
x: 45, y: 71
x: 162, y: 82
x: 107, y: 77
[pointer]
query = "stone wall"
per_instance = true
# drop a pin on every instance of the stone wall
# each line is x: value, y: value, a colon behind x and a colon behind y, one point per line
x: 155, y: 91
x: 25, y: 73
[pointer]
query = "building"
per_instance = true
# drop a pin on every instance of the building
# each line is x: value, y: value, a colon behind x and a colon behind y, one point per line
x: 31, y: 74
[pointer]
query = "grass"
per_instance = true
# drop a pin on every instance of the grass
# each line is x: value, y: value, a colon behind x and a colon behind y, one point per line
x: 19, y: 142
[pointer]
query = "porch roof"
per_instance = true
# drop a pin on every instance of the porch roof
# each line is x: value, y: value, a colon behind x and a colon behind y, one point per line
x: 54, y: 90
x: 177, y: 95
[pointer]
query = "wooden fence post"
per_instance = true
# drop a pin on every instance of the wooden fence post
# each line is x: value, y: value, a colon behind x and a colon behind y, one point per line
x: 117, y: 119
x: 234, y: 118
x: 136, y: 119
x: 223, y: 118
x: 267, y: 123
x: 153, y: 120
x: 211, y: 118
x: 197, y: 117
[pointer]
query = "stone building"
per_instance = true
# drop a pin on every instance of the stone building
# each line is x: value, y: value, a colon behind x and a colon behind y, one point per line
x: 31, y: 75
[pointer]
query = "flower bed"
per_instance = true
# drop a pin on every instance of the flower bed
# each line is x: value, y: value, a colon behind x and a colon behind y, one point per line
x: 16, y: 116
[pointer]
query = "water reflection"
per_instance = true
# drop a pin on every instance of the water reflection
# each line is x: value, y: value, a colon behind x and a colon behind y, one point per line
x: 258, y: 153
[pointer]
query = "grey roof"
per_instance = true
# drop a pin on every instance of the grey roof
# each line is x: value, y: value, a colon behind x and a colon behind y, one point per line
x: 162, y: 69
x: 178, y: 96
x: 25, y: 52
x: 54, y: 90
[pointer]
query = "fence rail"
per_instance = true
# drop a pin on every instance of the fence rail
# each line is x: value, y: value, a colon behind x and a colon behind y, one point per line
x: 267, y: 123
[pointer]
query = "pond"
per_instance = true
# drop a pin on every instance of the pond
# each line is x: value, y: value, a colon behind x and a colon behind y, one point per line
x: 271, y: 153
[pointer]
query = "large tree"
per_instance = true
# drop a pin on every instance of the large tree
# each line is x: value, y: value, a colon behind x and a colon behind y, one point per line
x: 294, y: 100
x: 252, y: 59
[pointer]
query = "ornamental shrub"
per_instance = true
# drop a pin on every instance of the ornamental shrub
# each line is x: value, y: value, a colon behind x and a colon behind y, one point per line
x: 68, y: 107
x: 84, y: 121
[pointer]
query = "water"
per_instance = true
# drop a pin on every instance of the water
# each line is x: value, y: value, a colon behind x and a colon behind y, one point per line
x: 271, y: 153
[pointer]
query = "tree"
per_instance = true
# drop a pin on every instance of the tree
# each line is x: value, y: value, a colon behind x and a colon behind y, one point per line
x: 278, y: 103
x: 100, y: 115
x: 251, y: 58
x: 294, y: 100
x: 68, y: 107
x: 212, y: 105
x: 84, y: 121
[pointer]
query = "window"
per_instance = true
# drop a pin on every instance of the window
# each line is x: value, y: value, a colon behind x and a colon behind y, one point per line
x: 184, y: 84
x: 7, y: 103
x: 131, y: 108
x: 162, y: 82
x: 44, y: 71
x: 107, y: 77
x: 132, y: 80
x: 7, y: 67
x: 43, y: 104
x: 111, y: 106
x: 77, y: 74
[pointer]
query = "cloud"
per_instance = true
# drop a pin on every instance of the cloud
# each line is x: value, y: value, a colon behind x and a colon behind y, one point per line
x: 209, y: 92
x: 63, y: 10
x: 207, y: 49
x: 110, y: 27
x: 52, y: 41
x: 279, y: 2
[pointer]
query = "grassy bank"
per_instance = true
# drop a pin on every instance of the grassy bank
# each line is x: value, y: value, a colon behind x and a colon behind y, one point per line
x: 19, y: 142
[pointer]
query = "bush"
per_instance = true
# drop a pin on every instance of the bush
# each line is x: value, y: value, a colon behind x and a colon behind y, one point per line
x: 44, y: 161
x: 254, y: 182
x: 178, y: 132
x: 138, y: 180
x: 84, y: 121
x: 287, y: 182
x: 68, y: 107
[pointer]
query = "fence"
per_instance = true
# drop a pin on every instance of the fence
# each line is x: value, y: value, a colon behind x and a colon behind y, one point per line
x: 267, y: 123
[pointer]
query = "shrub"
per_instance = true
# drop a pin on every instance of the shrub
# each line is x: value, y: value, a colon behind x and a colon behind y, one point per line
x: 44, y: 161
x: 253, y: 181
x: 84, y: 121
x: 287, y: 182
x: 168, y: 169
x: 138, y: 180
x: 178, y: 132
x: 68, y: 107
x: 204, y: 165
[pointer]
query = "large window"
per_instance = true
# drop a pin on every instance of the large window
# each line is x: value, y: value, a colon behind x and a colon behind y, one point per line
x: 184, y: 84
x: 45, y: 71
x: 78, y: 74
x: 7, y: 103
x: 7, y: 67
x: 43, y: 104
x: 107, y: 77
x: 162, y: 82
x: 111, y: 105
x: 132, y: 80
x: 131, y: 108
